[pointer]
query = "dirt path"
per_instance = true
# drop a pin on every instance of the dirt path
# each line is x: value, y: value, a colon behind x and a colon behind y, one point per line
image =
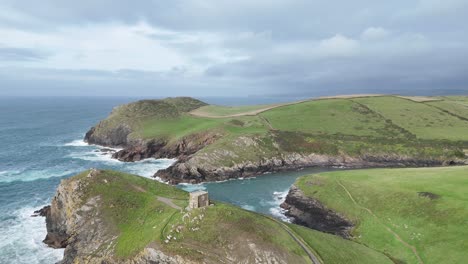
x: 406, y: 244
x: 267, y: 122
x: 299, y: 241
x: 261, y: 110
x: 169, y: 202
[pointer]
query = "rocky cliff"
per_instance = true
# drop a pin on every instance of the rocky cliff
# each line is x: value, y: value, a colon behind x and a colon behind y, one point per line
x: 213, y: 149
x: 309, y: 212
x: 76, y: 223
x: 110, y: 217
x: 201, y: 168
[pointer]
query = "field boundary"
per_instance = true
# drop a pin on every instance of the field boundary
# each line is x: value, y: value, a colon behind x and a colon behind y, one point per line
x: 261, y: 110
x: 406, y: 244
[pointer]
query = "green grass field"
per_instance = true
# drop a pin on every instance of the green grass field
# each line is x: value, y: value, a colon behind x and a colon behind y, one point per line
x: 427, y: 208
x: 131, y: 208
x: 420, y: 119
x: 332, y: 116
x: 379, y: 126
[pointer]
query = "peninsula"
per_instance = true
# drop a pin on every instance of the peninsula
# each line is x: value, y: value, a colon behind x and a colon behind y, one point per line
x: 214, y: 143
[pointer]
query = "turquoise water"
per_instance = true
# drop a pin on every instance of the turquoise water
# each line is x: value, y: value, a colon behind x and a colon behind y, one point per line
x: 262, y: 194
x: 41, y: 143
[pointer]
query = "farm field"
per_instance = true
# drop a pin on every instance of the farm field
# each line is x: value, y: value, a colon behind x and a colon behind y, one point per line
x: 414, y: 215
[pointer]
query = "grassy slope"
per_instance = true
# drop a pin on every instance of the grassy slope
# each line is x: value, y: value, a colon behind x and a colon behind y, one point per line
x: 333, y: 116
x: 420, y: 119
x: 378, y: 117
x: 382, y: 125
x: 130, y: 205
x: 435, y: 227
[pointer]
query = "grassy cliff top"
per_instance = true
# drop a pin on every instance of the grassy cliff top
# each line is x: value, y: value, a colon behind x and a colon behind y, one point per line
x: 161, y: 108
x: 414, y: 215
x: 145, y: 213
x: 390, y: 117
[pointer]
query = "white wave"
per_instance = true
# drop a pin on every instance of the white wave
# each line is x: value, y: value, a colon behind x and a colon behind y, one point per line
x: 276, y: 210
x: 77, y: 143
x: 192, y: 187
x: 248, y: 207
x: 279, y: 213
x: 31, y: 175
x: 148, y: 167
x: 22, y: 240
x: 94, y: 155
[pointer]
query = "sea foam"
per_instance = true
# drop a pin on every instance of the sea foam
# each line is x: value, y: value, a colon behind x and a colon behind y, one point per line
x: 26, y: 232
x: 77, y: 143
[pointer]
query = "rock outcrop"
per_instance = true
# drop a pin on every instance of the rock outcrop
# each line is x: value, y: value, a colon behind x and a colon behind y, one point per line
x: 75, y: 222
x: 216, y: 154
x: 80, y: 219
x: 160, y: 148
x: 312, y: 213
x: 199, y: 168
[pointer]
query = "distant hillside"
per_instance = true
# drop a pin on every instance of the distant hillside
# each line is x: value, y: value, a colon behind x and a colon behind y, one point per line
x: 216, y: 143
x: 113, y: 217
x: 413, y: 215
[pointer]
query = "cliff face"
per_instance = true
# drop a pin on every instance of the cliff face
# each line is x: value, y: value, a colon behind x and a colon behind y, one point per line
x: 159, y: 148
x: 75, y: 222
x: 209, y: 149
x: 312, y: 213
x: 112, y: 217
x: 199, y: 168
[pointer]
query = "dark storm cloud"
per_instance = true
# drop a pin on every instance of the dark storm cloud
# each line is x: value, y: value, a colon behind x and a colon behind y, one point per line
x: 217, y: 47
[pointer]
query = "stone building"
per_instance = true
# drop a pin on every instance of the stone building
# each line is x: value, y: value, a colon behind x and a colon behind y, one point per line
x: 198, y: 199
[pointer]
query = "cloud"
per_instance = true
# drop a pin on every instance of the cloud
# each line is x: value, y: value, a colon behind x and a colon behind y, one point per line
x: 243, y: 47
x: 338, y: 45
x: 21, y: 54
x: 374, y: 33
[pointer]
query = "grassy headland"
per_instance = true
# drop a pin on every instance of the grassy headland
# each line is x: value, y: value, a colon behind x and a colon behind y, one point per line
x: 413, y: 215
x: 354, y: 131
x: 136, y: 217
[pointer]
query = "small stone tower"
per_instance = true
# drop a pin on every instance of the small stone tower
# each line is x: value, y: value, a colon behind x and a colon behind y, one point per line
x: 198, y: 199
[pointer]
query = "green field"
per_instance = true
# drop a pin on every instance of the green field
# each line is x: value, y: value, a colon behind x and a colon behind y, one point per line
x: 132, y: 210
x: 397, y: 209
x: 332, y: 116
x: 377, y: 127
x: 420, y: 119
x: 387, y: 117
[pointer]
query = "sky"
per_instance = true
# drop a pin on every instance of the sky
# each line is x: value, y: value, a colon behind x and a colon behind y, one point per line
x: 233, y: 48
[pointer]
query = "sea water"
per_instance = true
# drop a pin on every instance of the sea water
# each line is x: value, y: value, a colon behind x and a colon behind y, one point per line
x: 41, y: 142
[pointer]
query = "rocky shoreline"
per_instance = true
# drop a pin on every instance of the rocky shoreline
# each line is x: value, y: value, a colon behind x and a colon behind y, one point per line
x: 215, y: 155
x: 75, y: 222
x: 312, y: 213
x: 190, y: 169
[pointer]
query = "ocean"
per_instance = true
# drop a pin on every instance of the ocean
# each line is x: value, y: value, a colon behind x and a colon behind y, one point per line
x: 41, y: 144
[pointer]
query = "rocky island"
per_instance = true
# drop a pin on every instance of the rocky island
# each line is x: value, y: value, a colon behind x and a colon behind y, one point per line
x: 217, y: 143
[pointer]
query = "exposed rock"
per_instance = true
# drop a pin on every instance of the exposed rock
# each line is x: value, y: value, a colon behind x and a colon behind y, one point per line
x: 79, y: 221
x: 312, y: 213
x: 160, y: 148
x: 41, y: 212
x: 199, y: 169
x: 78, y: 226
x: 113, y: 137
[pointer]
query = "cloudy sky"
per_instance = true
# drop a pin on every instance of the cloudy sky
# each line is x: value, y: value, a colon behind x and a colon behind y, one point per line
x: 233, y: 48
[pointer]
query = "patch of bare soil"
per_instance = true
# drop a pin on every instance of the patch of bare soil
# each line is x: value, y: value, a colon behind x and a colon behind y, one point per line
x: 420, y: 99
x: 429, y: 195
